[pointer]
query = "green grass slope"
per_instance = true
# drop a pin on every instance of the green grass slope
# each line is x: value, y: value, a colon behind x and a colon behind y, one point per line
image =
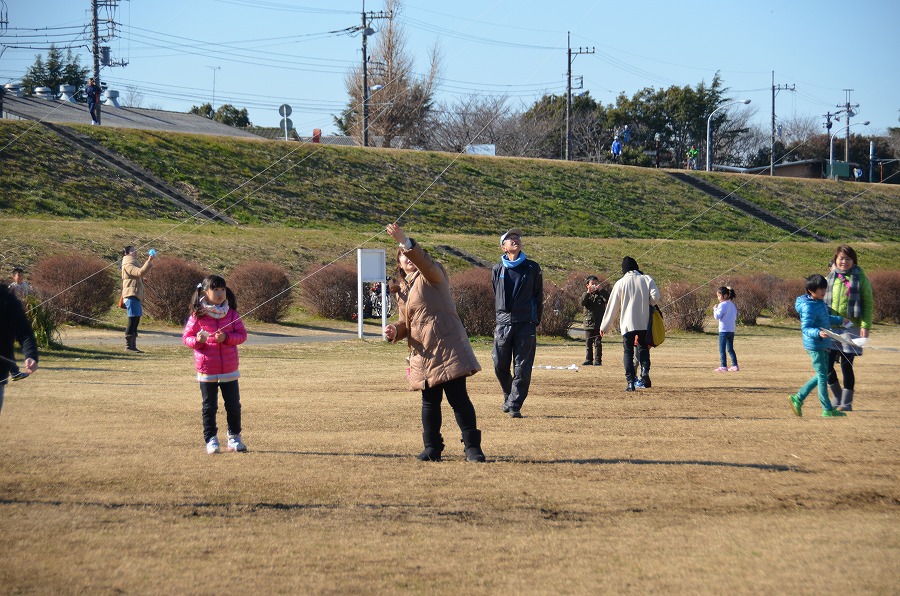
x: 264, y: 182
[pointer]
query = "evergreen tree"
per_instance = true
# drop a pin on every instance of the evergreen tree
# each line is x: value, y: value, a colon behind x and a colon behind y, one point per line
x: 56, y: 70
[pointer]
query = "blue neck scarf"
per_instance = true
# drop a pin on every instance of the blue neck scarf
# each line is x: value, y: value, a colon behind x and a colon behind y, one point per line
x: 510, y: 264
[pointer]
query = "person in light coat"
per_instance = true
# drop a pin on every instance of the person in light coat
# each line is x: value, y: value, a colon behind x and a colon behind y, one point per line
x: 631, y: 298
x: 133, y: 273
x: 440, y: 355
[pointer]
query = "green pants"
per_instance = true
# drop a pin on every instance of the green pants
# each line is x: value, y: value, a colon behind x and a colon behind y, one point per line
x: 820, y: 365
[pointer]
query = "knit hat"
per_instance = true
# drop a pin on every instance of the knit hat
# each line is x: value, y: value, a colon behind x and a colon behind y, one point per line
x: 629, y: 264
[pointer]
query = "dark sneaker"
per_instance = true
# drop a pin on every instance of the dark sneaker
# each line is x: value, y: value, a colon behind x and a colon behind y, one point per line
x: 796, y: 404
x: 645, y: 380
x: 587, y: 363
x: 514, y: 413
x: 629, y: 387
x: 639, y: 384
x: 505, y: 408
x: 832, y: 413
x: 598, y: 364
x: 842, y: 408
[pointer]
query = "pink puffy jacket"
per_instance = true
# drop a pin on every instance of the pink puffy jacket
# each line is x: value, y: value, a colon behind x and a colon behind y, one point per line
x: 212, y: 358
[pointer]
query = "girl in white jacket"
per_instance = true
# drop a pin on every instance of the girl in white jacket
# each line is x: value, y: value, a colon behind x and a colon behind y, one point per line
x: 726, y: 313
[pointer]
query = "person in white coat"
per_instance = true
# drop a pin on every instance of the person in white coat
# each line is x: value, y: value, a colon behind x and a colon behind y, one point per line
x: 632, y: 297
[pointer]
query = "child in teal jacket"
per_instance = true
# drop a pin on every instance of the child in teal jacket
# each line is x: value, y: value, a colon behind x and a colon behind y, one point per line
x: 814, y: 317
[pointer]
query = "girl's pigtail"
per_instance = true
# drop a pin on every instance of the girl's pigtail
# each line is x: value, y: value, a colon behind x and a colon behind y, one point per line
x: 229, y: 296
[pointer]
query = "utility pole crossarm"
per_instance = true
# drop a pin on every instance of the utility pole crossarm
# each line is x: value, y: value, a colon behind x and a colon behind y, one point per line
x: 571, y: 56
x: 775, y: 90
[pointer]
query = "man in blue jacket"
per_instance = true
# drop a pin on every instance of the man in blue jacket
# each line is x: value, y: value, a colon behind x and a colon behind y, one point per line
x: 518, y: 305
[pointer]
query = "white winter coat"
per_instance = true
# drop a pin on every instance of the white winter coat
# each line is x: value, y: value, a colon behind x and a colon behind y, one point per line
x: 632, y: 295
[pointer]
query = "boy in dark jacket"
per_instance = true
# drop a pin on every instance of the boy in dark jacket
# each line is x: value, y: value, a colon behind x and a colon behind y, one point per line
x: 594, y: 302
x: 14, y: 327
x: 518, y: 306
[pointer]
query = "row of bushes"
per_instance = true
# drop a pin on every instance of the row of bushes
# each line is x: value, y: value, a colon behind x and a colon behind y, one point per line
x: 80, y: 288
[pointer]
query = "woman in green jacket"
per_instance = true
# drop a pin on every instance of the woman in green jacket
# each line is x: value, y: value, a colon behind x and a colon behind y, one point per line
x: 849, y: 294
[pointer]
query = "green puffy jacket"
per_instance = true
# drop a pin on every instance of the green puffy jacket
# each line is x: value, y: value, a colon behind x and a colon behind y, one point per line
x: 839, y: 301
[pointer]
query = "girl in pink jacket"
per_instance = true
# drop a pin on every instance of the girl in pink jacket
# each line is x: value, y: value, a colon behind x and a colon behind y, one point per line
x: 214, y: 331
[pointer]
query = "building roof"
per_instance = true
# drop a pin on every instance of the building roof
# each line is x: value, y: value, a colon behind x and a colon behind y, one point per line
x: 64, y: 112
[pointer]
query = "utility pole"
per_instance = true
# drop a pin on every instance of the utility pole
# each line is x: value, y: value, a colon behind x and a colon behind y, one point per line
x: 214, y: 69
x: 775, y: 89
x: 366, y: 32
x: 4, y: 25
x: 95, y: 49
x: 571, y: 56
x: 848, y: 110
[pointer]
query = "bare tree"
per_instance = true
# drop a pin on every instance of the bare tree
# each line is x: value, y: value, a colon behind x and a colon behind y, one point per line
x: 402, y: 101
x: 133, y: 97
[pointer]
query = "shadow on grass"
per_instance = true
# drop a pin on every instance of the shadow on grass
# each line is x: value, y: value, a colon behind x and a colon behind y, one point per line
x: 580, y: 461
x: 69, y: 352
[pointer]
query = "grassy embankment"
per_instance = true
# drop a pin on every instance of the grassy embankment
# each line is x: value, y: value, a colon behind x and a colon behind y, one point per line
x: 303, y: 204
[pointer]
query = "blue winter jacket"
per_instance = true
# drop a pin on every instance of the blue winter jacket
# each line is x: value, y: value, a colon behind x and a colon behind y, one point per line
x: 814, y: 317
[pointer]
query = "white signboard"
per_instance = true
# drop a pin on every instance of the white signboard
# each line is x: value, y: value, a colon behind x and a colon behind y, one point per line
x: 481, y: 149
x: 371, y: 267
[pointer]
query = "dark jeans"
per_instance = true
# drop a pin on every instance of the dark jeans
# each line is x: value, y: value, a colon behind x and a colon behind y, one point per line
x: 594, y: 352
x: 726, y: 344
x: 457, y: 397
x: 514, y: 345
x: 643, y: 353
x: 231, y: 395
x: 846, y: 368
x: 92, y: 108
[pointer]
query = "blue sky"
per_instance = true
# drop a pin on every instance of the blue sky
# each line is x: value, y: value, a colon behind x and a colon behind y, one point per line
x: 263, y: 53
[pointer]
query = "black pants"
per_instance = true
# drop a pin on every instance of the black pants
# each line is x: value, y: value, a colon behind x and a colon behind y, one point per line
x: 643, y: 353
x: 846, y: 368
x: 457, y: 397
x: 231, y: 395
x: 514, y: 345
x: 592, y: 340
x: 132, y: 327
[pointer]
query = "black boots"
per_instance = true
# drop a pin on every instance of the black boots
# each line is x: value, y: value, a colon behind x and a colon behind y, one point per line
x: 434, y: 444
x: 472, y: 440
x: 131, y: 344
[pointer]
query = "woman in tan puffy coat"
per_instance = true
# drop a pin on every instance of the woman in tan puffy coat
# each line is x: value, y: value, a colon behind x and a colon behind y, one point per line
x: 440, y: 355
x: 133, y: 292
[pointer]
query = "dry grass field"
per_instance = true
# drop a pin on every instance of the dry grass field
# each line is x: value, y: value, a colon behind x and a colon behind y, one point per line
x: 706, y: 483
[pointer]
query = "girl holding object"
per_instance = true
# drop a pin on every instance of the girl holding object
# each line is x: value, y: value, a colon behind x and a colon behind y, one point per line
x: 726, y: 313
x: 214, y: 331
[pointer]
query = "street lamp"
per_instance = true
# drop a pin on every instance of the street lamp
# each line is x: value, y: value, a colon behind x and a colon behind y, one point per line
x: 831, y: 145
x: 709, y: 121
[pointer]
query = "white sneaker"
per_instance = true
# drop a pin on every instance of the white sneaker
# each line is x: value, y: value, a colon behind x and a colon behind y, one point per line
x: 235, y: 443
x: 212, y: 446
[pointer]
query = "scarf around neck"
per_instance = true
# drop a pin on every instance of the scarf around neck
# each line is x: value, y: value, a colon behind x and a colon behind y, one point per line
x: 510, y: 264
x: 850, y: 280
x: 213, y: 310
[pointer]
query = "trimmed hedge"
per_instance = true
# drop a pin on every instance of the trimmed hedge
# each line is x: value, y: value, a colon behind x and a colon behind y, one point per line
x: 78, y: 287
x: 885, y: 295
x: 263, y: 290
x: 474, y: 297
x: 170, y: 288
x: 331, y: 292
